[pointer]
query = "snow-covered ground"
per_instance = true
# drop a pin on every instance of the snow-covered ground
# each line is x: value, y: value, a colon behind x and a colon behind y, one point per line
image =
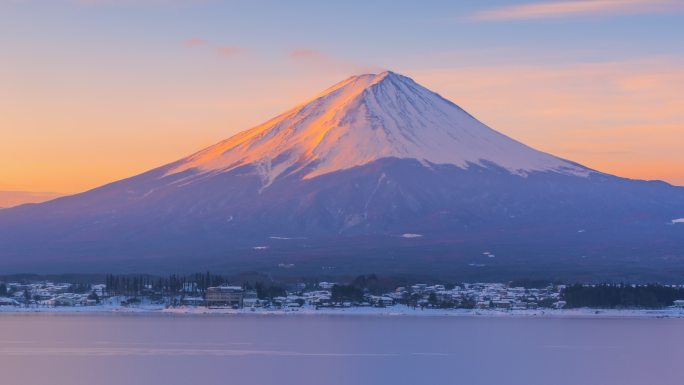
x: 397, y: 310
x: 411, y: 235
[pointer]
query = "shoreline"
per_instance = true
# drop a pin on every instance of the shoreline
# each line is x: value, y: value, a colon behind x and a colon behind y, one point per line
x: 391, y: 311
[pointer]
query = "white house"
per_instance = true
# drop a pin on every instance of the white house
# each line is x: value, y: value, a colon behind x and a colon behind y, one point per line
x: 8, y: 302
x: 63, y: 301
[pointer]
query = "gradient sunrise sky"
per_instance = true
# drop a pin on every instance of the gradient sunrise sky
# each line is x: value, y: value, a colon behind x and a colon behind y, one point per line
x: 92, y: 91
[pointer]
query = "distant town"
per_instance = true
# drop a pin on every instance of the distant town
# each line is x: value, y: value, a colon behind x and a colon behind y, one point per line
x: 366, y: 291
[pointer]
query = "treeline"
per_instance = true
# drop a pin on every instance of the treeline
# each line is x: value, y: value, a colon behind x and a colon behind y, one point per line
x: 533, y: 283
x: 136, y: 285
x: 608, y: 296
x: 266, y: 291
x: 357, y: 288
x: 341, y: 293
x: 174, y: 284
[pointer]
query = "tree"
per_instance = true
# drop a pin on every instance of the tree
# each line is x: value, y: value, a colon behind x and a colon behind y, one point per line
x: 432, y: 299
x: 94, y: 296
x: 468, y: 303
x: 368, y: 283
x: 342, y: 293
x: 413, y: 300
x: 27, y: 297
x: 80, y: 288
x: 268, y: 292
x: 621, y: 296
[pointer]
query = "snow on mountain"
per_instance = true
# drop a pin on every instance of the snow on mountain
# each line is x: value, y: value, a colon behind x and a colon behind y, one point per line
x: 375, y: 174
x: 366, y: 118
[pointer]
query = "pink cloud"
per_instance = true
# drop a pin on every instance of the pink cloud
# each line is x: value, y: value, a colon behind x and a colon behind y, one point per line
x: 562, y: 9
x: 194, y: 42
x: 230, y: 50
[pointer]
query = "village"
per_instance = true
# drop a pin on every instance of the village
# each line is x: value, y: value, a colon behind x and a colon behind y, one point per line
x: 321, y: 295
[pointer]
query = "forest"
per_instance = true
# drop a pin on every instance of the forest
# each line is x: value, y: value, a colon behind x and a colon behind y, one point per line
x: 610, y: 296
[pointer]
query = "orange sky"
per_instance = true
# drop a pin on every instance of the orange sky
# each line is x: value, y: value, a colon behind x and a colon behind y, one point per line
x: 625, y: 118
x: 86, y: 99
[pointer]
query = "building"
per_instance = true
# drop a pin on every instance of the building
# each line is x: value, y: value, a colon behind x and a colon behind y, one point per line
x: 381, y: 301
x: 8, y: 302
x: 502, y: 304
x: 225, y: 296
x: 63, y: 300
x: 192, y: 301
x: 250, y: 298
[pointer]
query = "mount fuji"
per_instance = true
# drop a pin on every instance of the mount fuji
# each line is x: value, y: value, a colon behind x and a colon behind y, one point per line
x: 375, y: 174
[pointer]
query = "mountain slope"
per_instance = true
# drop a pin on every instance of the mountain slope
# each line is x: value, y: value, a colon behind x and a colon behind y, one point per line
x: 16, y: 198
x: 366, y: 118
x: 375, y: 174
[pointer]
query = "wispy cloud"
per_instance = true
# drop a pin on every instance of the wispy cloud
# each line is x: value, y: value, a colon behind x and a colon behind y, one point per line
x: 564, y: 9
x: 194, y: 42
x: 230, y: 50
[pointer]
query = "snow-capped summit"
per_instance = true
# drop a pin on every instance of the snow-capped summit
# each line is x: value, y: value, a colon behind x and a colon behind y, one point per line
x: 365, y: 118
x: 375, y: 174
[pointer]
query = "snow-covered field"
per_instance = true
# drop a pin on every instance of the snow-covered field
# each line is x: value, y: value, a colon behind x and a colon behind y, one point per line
x: 397, y: 310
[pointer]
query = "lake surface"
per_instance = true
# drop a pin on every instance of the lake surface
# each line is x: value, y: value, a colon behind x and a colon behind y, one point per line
x: 320, y: 349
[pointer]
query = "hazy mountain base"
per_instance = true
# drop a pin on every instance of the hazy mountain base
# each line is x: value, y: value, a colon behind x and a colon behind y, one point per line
x: 354, y: 221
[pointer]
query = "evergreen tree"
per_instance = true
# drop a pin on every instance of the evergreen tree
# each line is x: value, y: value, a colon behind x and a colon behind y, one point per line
x: 621, y: 296
x: 94, y: 296
x: 27, y: 297
x: 342, y: 293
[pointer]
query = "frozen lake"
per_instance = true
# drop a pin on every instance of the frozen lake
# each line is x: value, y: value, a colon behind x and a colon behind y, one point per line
x: 165, y: 349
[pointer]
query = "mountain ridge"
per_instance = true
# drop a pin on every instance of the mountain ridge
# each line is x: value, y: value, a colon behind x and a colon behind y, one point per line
x: 334, y: 183
x: 14, y: 198
x: 365, y: 118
